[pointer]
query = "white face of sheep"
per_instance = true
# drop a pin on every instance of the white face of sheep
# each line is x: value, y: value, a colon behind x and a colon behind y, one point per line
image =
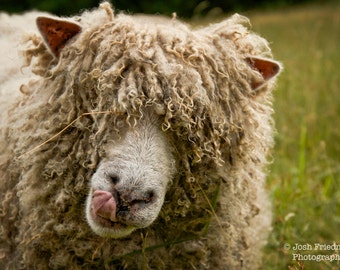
x: 128, y: 188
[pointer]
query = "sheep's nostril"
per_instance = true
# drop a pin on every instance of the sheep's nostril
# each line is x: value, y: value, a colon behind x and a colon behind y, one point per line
x: 145, y: 200
x: 139, y: 201
x: 114, y: 179
x: 150, y: 197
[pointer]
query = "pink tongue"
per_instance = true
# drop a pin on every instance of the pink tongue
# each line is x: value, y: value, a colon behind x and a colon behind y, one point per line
x: 104, y: 205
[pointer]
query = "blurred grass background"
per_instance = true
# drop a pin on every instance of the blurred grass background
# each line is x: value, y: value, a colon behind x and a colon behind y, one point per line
x: 305, y: 175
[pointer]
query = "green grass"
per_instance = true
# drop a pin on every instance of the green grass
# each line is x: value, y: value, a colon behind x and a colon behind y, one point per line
x: 305, y: 175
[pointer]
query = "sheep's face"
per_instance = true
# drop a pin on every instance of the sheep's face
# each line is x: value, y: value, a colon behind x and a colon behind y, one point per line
x: 128, y: 188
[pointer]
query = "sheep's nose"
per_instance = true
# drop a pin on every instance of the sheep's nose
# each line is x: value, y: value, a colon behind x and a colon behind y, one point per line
x: 113, y: 178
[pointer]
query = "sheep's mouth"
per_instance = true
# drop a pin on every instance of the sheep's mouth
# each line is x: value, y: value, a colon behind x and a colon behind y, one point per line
x: 106, y: 219
x: 107, y: 223
x: 104, y: 215
x: 105, y: 227
x: 114, y: 214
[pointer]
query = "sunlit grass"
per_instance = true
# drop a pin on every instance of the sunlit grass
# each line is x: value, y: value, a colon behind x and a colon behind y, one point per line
x: 305, y: 176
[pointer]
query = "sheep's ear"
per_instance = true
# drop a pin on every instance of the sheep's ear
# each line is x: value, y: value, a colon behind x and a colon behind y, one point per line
x: 267, y: 68
x: 57, y: 33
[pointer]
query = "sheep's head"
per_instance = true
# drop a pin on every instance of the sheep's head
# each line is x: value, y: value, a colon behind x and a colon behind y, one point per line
x: 128, y: 188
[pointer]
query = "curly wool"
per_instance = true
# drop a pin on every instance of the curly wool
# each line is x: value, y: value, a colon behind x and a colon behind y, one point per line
x: 216, y: 213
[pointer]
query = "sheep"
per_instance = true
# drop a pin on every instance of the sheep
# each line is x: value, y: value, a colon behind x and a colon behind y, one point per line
x: 135, y: 142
